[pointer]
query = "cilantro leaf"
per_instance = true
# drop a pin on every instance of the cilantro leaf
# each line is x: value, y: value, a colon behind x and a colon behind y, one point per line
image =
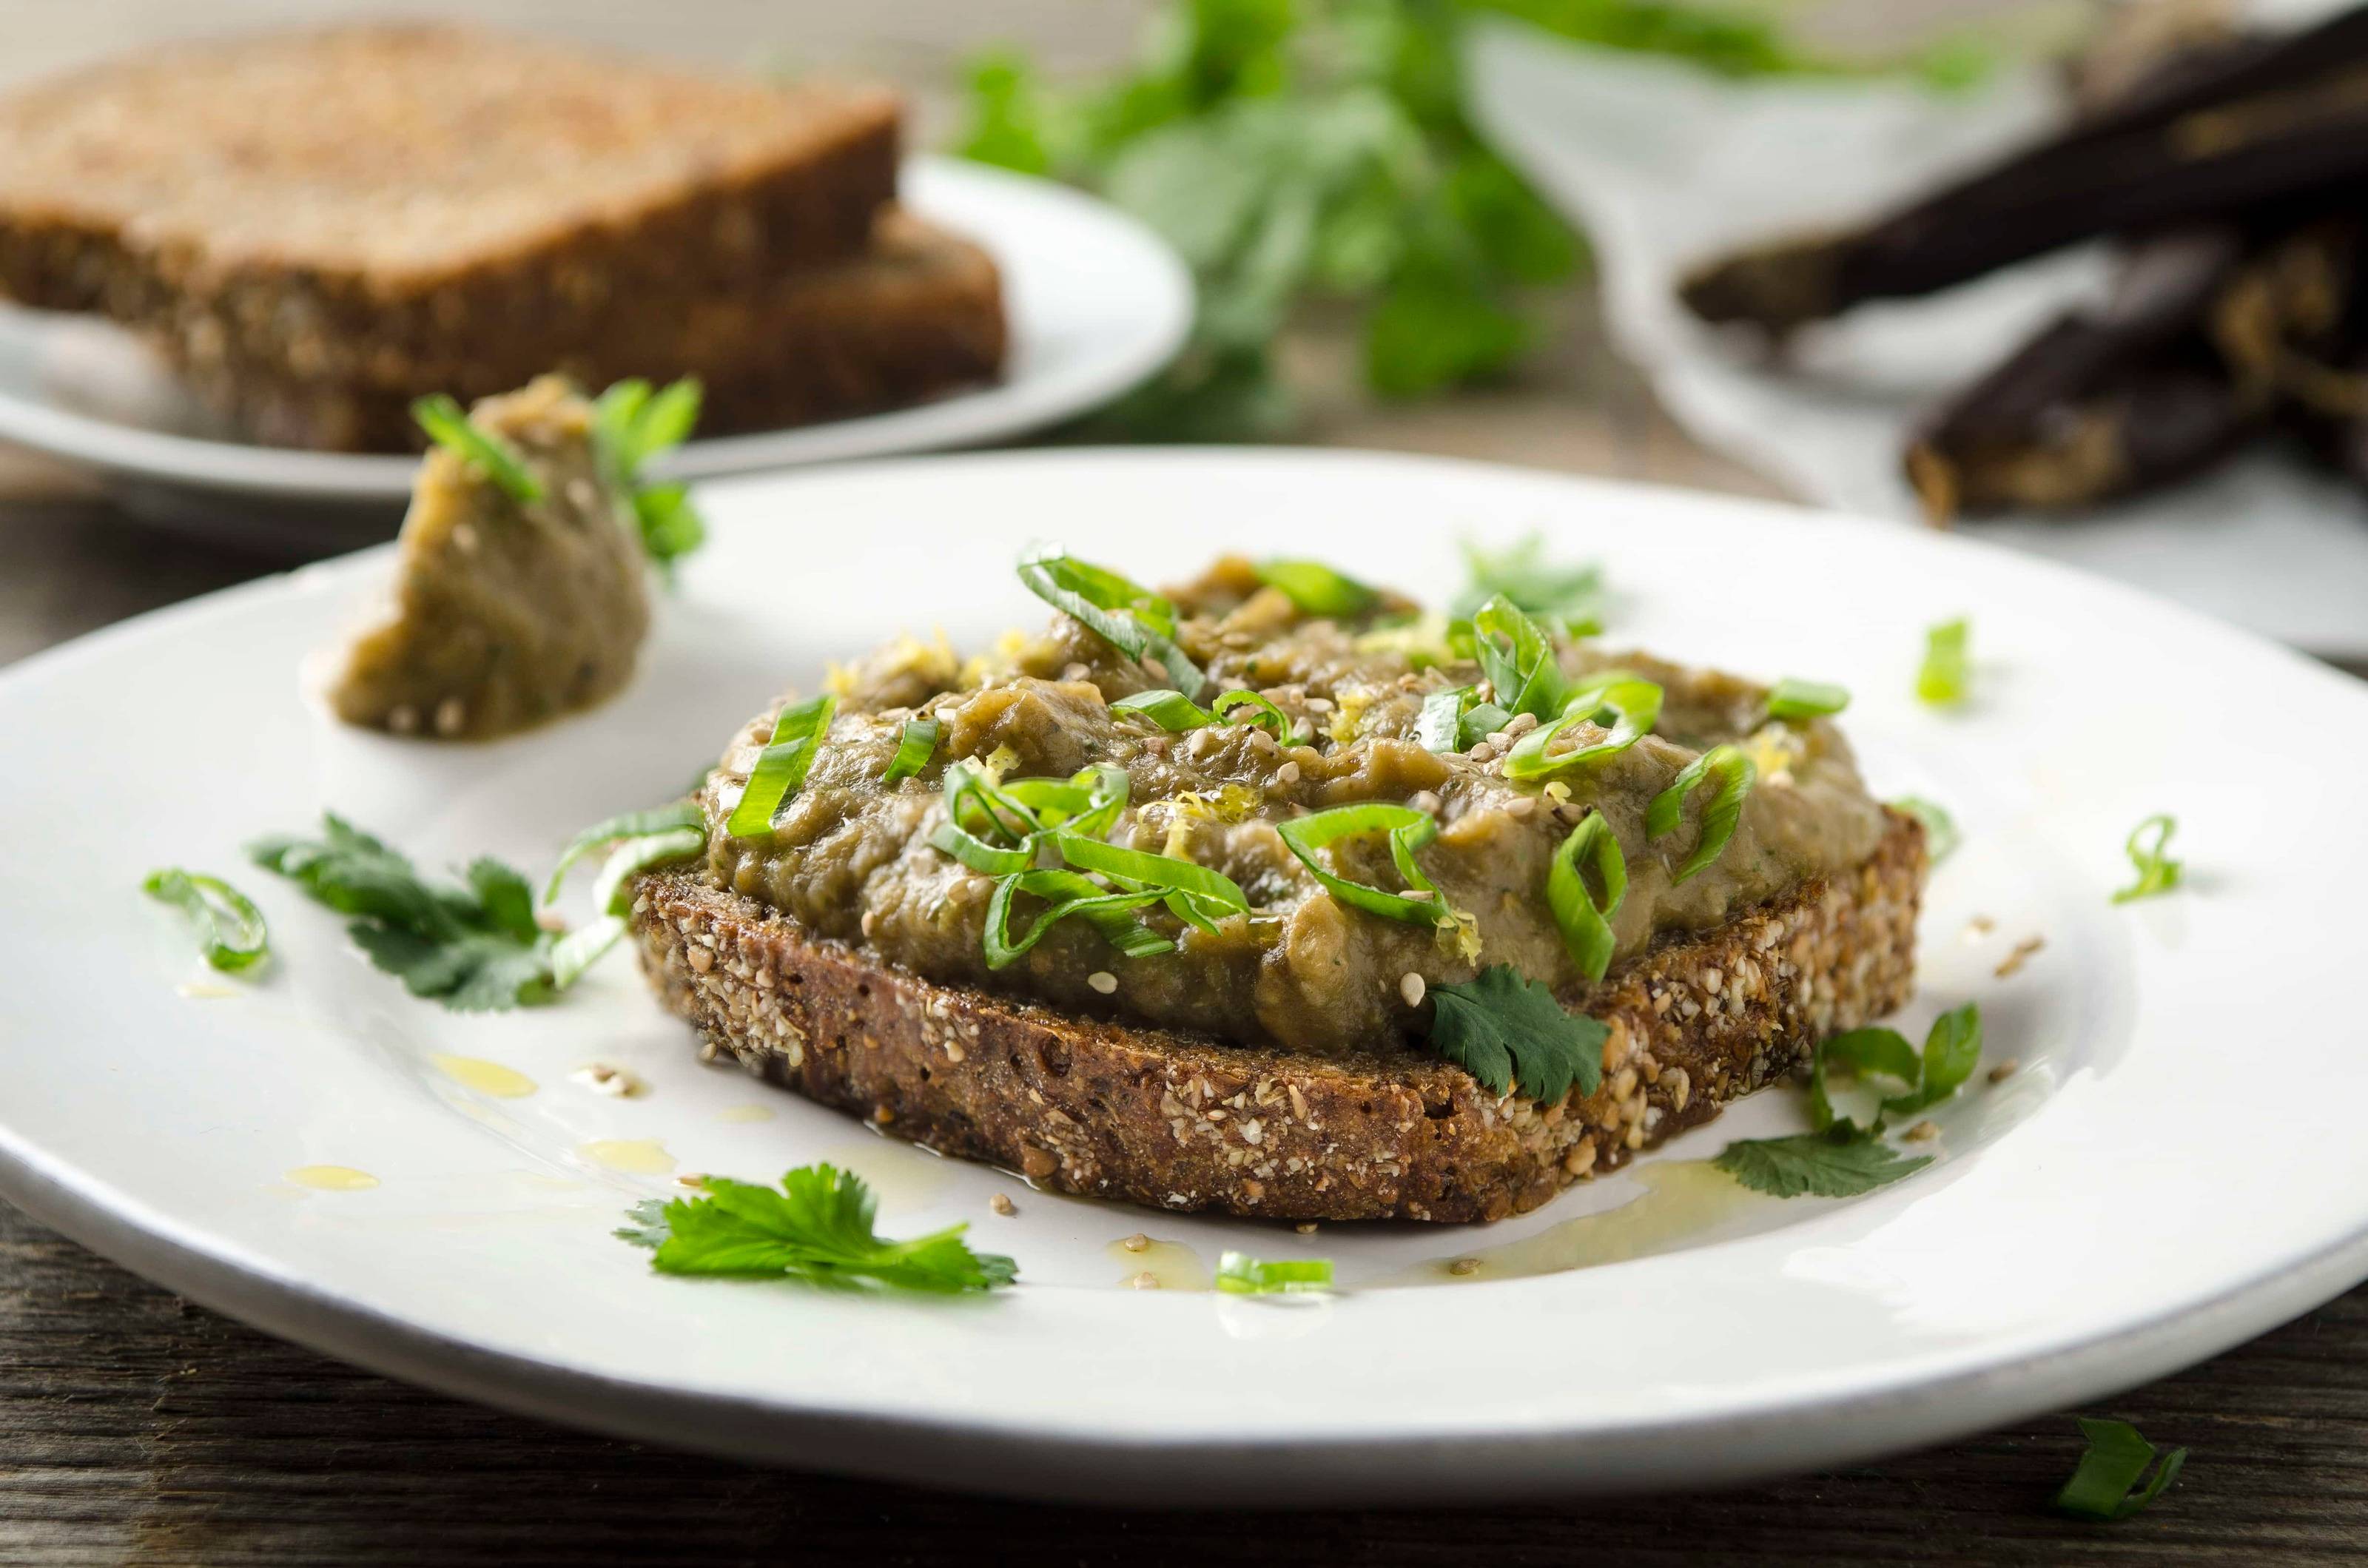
x: 2114, y: 1462
x: 1816, y: 1164
x: 818, y: 1227
x: 474, y: 947
x: 1952, y: 1051
x: 1505, y: 1030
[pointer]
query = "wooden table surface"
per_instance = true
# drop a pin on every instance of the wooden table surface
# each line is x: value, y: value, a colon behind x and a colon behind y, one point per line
x: 135, y: 1426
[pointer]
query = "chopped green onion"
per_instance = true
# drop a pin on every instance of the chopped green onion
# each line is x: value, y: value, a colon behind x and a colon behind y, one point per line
x: 2114, y: 1462
x: 579, y: 949
x: 1586, y: 925
x: 671, y: 527
x: 1071, y: 894
x: 1209, y: 889
x: 630, y: 824
x: 1806, y: 699
x: 231, y: 931
x: 1171, y: 710
x: 1087, y: 801
x: 1572, y: 596
x: 1239, y: 1274
x: 972, y: 803
x: 1440, y: 727
x: 1941, y: 833
x: 782, y: 767
x: 1317, y: 589
x: 1262, y: 711
x: 914, y: 749
x: 1732, y: 771
x: 1941, y: 680
x: 1518, y: 657
x: 1633, y: 705
x: 1130, y: 618
x: 1408, y: 831
x: 632, y: 426
x: 2158, y: 872
x: 447, y: 424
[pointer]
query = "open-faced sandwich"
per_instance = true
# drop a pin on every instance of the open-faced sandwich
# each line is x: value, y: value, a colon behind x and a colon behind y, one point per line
x: 1272, y: 895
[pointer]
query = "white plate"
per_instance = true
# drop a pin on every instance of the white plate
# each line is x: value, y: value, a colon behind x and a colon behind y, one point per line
x: 2176, y: 1166
x: 1097, y: 303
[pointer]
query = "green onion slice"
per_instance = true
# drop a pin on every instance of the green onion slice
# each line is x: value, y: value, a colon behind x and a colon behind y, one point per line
x: 2105, y: 1486
x: 580, y: 948
x: 1732, y: 774
x: 1071, y: 894
x: 1239, y: 1274
x: 1586, y: 923
x: 447, y: 424
x: 1262, y: 711
x: 1207, y: 887
x: 1941, y: 834
x: 1317, y: 589
x: 1518, y: 657
x: 1409, y: 830
x: 1633, y: 706
x: 635, y: 425
x: 1455, y: 720
x: 914, y: 749
x: 1170, y: 709
x: 630, y: 824
x: 1130, y: 618
x: 782, y: 767
x: 1941, y: 679
x: 1806, y: 699
x: 231, y: 931
x: 2158, y: 872
x: 1089, y: 801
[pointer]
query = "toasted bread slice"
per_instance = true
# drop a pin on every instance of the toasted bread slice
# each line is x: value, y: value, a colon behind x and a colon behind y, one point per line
x: 373, y: 198
x: 1096, y: 1107
x: 919, y: 313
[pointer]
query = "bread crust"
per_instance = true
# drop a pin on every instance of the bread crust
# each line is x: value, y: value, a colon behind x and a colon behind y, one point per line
x: 1104, y: 1109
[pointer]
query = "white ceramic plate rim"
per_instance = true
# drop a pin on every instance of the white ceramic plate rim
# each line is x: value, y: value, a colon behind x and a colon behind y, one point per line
x: 1765, y: 1430
x: 991, y: 204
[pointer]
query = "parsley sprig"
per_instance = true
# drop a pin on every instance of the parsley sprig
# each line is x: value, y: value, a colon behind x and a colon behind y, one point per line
x: 475, y: 946
x: 816, y: 1227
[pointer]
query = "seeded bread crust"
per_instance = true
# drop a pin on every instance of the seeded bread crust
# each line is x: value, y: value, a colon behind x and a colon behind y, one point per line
x: 918, y: 315
x: 385, y: 199
x: 1106, y: 1110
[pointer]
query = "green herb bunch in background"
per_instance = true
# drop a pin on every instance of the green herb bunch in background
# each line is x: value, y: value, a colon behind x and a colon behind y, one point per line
x: 1298, y: 150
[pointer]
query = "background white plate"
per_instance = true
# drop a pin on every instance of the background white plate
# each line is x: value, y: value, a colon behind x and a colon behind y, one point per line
x: 2175, y: 1166
x: 1097, y: 303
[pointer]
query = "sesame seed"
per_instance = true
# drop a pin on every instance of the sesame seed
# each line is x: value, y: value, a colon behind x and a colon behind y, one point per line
x: 1305, y: 1227
x: 1923, y: 1132
x: 1520, y: 806
x: 452, y: 715
x: 1287, y: 774
x: 2005, y: 1070
x: 1102, y: 981
x: 2021, y: 952
x: 1519, y: 725
x: 1137, y: 1243
x: 1418, y: 895
x: 1425, y: 801
x: 1411, y: 987
x: 1463, y: 1265
x: 1002, y: 1205
x: 1147, y: 1280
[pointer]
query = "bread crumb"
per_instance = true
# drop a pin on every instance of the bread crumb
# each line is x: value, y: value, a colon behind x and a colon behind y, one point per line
x: 1002, y: 1205
x: 1102, y: 981
x: 2003, y: 1070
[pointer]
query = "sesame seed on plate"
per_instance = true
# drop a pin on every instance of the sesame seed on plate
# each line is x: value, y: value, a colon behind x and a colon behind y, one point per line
x: 1002, y: 1205
x: 1147, y: 1280
x: 2003, y: 1070
x: 1463, y: 1265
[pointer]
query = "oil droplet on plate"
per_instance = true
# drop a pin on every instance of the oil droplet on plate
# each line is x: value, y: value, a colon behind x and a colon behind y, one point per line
x: 1684, y: 1201
x: 902, y: 1176
x: 1169, y: 1266
x: 204, y: 991
x: 635, y: 1156
x: 746, y: 1113
x: 333, y: 1178
x: 486, y: 1077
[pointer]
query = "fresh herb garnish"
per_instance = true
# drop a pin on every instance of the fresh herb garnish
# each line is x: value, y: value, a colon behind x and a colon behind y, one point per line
x: 1239, y: 1274
x: 1587, y: 923
x: 1195, y: 893
x: 818, y: 1228
x: 2113, y: 1464
x: 1730, y: 772
x: 1129, y: 617
x: 448, y: 425
x: 1506, y: 1031
x: 1260, y: 711
x: 1792, y: 700
x: 914, y: 749
x: 1175, y: 712
x: 473, y: 948
x: 1940, y: 836
x: 1109, y: 913
x: 2158, y: 872
x: 629, y: 824
x: 1816, y: 1164
x: 635, y: 424
x: 1570, y: 595
x: 1518, y: 656
x: 781, y: 767
x: 643, y: 839
x: 1317, y: 589
x: 1623, y: 704
x: 1408, y: 830
x: 230, y: 932
x: 1941, y: 679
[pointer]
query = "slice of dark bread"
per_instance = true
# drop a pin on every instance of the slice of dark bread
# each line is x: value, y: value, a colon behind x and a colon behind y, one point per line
x: 367, y: 198
x: 1098, y: 1107
x: 918, y: 315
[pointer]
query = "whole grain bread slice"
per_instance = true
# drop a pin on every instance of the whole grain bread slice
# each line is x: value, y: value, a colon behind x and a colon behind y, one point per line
x: 368, y: 197
x: 918, y: 315
x: 1098, y: 1107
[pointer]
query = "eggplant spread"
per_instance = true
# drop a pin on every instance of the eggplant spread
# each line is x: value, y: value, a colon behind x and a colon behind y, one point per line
x: 1371, y: 802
